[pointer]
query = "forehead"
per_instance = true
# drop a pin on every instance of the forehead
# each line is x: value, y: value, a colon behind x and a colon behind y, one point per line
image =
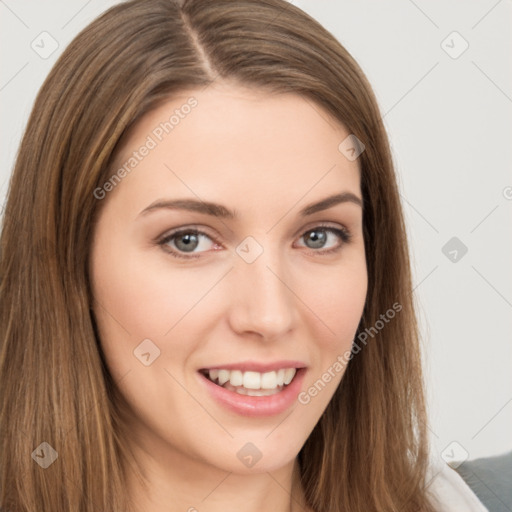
x: 231, y: 141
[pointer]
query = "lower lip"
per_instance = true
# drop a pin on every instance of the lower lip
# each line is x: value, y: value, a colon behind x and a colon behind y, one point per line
x: 256, y: 405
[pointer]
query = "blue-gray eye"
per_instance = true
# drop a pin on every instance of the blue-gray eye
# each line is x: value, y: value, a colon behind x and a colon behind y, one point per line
x: 183, y: 243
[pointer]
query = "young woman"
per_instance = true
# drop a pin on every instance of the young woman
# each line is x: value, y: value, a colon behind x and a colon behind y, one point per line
x: 205, y: 295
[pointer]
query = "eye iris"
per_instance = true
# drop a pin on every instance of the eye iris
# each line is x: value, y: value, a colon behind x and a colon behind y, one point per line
x: 317, y: 237
x: 191, y: 241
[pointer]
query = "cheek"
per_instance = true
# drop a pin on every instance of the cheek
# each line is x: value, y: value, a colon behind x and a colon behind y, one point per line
x: 337, y: 309
x: 349, y: 307
x: 142, y: 295
x: 336, y: 297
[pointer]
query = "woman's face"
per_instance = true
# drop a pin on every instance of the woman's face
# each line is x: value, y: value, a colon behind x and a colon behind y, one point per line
x: 217, y: 257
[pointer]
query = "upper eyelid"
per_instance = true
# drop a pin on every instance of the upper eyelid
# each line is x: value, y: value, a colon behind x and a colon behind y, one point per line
x: 202, y: 230
x: 186, y: 229
x: 325, y: 225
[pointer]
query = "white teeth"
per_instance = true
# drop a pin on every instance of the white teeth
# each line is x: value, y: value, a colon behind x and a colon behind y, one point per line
x: 223, y: 376
x: 252, y: 392
x: 269, y: 380
x: 236, y: 378
x: 252, y: 380
x: 289, y: 373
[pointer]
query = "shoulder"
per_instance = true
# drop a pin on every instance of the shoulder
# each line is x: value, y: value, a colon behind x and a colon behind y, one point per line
x: 450, y: 491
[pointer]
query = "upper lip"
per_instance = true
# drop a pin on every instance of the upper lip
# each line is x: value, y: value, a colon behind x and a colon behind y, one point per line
x: 254, y: 366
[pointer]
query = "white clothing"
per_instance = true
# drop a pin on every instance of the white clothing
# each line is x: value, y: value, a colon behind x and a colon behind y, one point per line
x: 450, y: 490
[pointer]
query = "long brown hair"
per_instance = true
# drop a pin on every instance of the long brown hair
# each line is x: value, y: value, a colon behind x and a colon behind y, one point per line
x: 369, y: 450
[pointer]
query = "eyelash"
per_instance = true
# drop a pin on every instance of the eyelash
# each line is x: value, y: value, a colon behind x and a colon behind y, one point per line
x: 342, y: 233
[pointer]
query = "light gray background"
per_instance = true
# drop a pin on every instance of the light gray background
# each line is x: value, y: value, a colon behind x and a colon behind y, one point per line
x: 450, y: 126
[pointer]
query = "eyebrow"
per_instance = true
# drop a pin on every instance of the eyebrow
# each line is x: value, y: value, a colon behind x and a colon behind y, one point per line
x: 218, y: 210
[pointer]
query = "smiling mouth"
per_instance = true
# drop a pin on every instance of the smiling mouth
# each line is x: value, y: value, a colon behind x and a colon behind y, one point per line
x: 251, y: 383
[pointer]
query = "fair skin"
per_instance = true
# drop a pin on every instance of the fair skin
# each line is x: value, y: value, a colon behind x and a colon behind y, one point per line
x: 266, y: 157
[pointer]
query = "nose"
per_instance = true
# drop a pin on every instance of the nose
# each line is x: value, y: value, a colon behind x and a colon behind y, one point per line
x: 262, y: 297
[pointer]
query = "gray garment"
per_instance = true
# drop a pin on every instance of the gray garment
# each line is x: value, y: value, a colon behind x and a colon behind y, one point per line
x: 490, y: 479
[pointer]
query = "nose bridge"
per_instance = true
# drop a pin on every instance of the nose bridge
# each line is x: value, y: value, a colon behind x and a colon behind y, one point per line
x: 262, y: 299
